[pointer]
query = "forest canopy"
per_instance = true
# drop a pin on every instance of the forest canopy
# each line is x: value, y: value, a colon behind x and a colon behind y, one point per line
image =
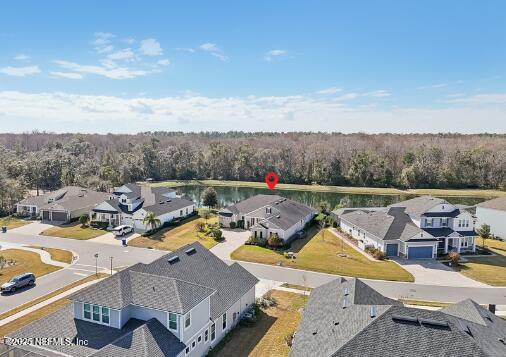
x: 48, y: 161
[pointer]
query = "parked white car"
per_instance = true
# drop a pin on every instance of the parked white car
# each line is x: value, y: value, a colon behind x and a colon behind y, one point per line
x: 120, y: 231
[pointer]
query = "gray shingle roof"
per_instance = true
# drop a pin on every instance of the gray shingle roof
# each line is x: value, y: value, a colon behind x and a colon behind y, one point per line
x: 151, y: 339
x: 418, y: 205
x: 498, y: 203
x: 69, y: 198
x: 229, y: 282
x: 166, y: 205
x: 253, y: 203
x: 467, y: 330
x: 153, y: 291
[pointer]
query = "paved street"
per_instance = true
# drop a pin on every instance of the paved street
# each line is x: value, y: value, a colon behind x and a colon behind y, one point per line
x: 85, y: 265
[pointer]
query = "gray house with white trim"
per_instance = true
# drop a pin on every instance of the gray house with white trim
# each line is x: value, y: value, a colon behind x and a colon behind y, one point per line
x: 181, y: 304
x: 349, y: 318
x: 418, y: 228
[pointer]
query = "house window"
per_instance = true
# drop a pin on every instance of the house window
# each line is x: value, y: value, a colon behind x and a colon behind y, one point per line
x: 224, y: 320
x: 187, y: 320
x: 172, y: 321
x: 187, y: 350
x: 96, y: 313
x: 213, y: 332
x: 186, y: 210
x: 105, y: 315
x: 180, y: 212
x: 428, y: 222
x: 255, y: 234
x: 87, y: 311
x: 444, y: 222
x: 199, y: 339
x: 206, y: 335
x: 261, y: 234
x: 193, y: 344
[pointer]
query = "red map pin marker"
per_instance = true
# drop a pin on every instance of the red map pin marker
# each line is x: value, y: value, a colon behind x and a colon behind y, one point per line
x: 271, y: 179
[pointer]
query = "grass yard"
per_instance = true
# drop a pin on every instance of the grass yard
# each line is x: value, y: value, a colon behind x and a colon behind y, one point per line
x: 266, y: 337
x: 488, y: 270
x: 59, y: 255
x: 322, y: 254
x: 73, y: 231
x: 175, y: 237
x: 339, y: 189
x: 12, y: 222
x: 27, y: 262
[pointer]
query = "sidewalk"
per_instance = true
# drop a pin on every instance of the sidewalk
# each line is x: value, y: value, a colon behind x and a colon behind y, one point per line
x: 46, y: 302
x: 337, y: 234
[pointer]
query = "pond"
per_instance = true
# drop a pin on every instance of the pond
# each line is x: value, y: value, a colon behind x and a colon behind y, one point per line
x: 230, y: 195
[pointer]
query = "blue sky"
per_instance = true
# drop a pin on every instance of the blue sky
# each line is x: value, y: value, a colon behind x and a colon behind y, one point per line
x: 372, y: 66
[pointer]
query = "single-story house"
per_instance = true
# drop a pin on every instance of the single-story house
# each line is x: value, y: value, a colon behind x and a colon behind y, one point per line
x: 130, y: 203
x: 181, y: 304
x: 346, y: 317
x: 265, y: 215
x: 418, y: 228
x: 62, y: 205
x: 493, y: 213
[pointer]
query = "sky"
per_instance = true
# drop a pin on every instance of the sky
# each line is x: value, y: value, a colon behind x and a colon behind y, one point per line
x: 345, y: 66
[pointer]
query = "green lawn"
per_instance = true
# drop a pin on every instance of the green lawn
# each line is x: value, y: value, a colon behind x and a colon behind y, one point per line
x: 322, y: 254
x: 488, y: 270
x: 174, y: 238
x: 73, y: 231
x: 339, y: 189
x: 266, y: 337
x: 26, y: 262
x: 12, y: 222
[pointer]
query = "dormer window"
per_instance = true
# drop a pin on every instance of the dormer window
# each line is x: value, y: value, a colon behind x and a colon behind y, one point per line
x: 428, y: 222
x: 96, y: 313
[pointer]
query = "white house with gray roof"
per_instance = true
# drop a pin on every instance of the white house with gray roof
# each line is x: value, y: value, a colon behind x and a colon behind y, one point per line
x: 181, y: 304
x: 418, y: 228
x: 130, y: 203
x: 265, y: 215
x: 349, y: 318
x: 62, y: 205
x: 493, y: 213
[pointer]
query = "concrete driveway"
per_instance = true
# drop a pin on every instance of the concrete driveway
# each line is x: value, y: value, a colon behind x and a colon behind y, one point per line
x: 110, y: 238
x: 34, y: 228
x: 432, y: 272
x: 234, y: 238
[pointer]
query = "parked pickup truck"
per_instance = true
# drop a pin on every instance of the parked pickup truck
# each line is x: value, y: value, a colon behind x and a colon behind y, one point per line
x: 120, y: 231
x: 18, y: 282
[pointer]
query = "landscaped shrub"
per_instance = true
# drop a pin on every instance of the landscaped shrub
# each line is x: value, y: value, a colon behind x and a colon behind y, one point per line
x: 99, y: 225
x: 232, y: 225
x: 200, y: 226
x: 375, y: 253
x: 274, y: 241
x: 454, y: 258
x: 240, y: 223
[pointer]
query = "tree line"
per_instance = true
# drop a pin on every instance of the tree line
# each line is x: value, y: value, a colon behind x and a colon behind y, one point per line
x: 48, y: 161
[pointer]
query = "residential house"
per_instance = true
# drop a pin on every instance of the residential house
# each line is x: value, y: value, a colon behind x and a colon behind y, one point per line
x: 349, y: 318
x: 418, y: 228
x: 181, y: 304
x: 493, y: 213
x: 130, y: 203
x: 62, y: 205
x: 265, y: 215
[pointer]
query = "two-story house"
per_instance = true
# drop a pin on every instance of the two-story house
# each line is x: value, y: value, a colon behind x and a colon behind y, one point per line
x: 131, y: 202
x: 265, y: 215
x: 181, y: 304
x: 421, y: 227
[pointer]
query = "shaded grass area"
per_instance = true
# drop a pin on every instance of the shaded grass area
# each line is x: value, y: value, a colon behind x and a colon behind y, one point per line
x: 323, y: 253
x: 54, y: 293
x: 73, y: 231
x: 339, y: 189
x: 489, y: 270
x: 266, y: 337
x: 59, y: 255
x: 295, y: 286
x: 175, y: 237
x: 13, y: 222
x: 26, y: 262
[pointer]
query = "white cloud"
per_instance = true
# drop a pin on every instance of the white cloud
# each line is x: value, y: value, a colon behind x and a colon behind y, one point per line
x: 151, y: 47
x: 104, y: 49
x: 214, y: 50
x: 185, y: 49
x: 129, y: 41
x: 273, y: 54
x: 434, y: 86
x: 377, y: 93
x: 68, y: 75
x: 113, y: 73
x: 330, y: 90
x: 164, y: 62
x: 123, y: 54
x: 21, y: 57
x: 62, y: 112
x: 479, y: 99
x: 20, y: 71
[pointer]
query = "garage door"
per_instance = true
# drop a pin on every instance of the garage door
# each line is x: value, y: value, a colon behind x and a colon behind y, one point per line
x: 419, y: 252
x: 59, y: 216
x: 392, y: 250
x: 45, y: 215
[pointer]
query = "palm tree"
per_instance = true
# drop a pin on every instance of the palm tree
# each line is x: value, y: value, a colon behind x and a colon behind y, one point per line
x: 151, y: 221
x: 84, y: 220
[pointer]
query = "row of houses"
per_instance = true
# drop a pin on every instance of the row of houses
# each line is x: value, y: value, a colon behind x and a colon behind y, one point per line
x: 126, y: 205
